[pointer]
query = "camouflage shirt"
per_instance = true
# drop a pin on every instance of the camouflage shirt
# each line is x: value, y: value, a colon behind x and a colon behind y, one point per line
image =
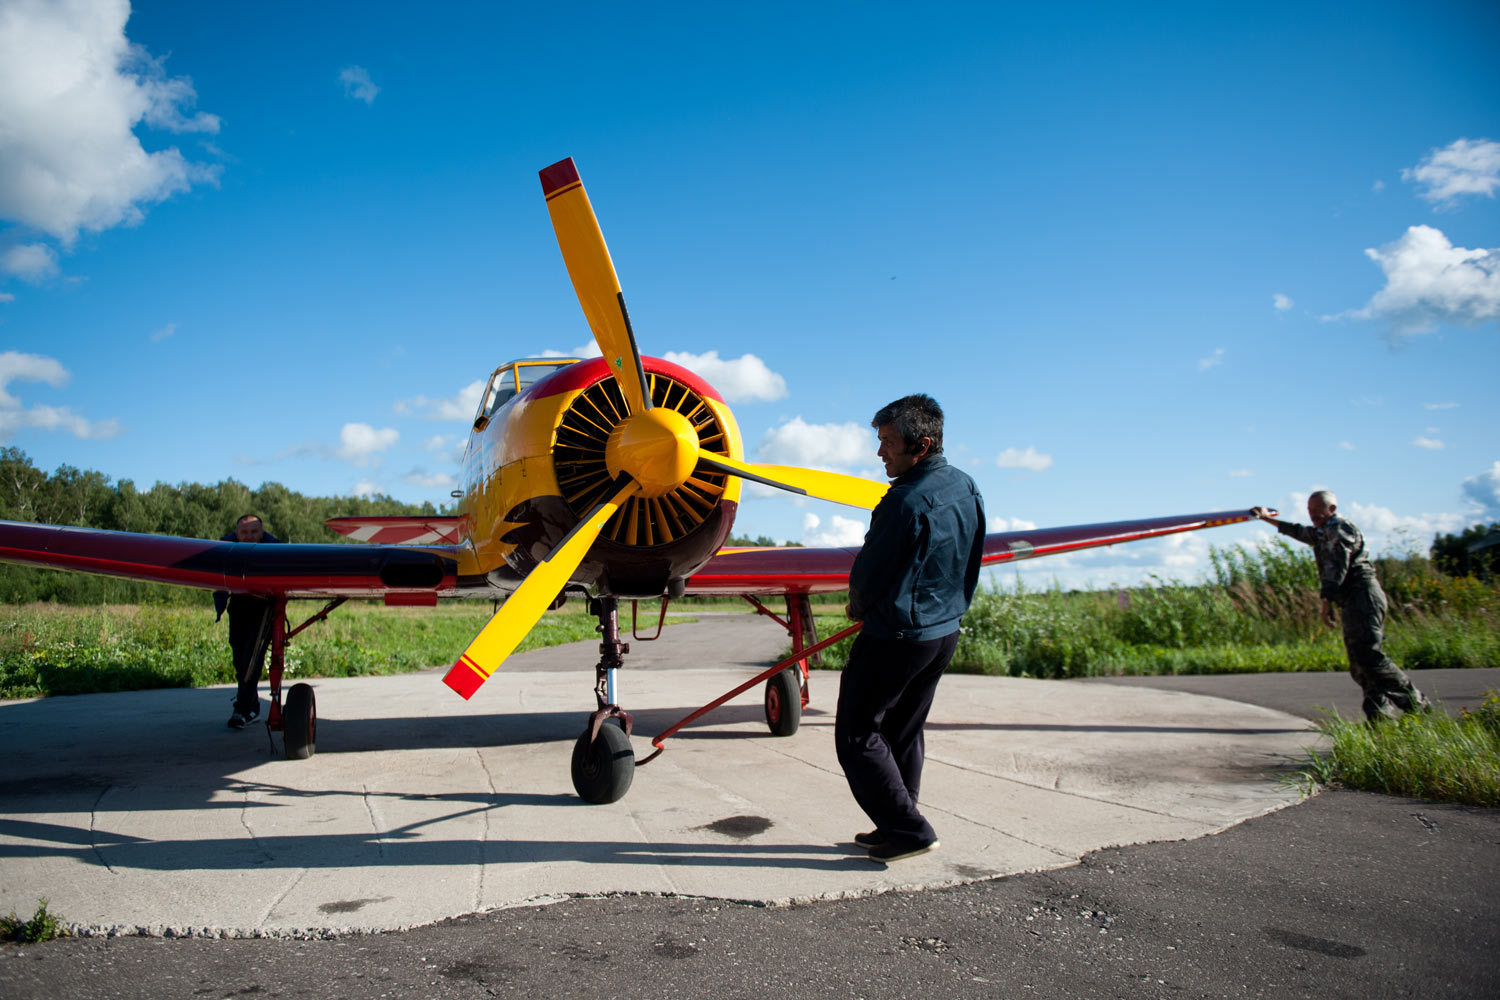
x: 1339, y: 549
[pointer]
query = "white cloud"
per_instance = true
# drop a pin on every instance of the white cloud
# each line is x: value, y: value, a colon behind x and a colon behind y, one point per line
x: 18, y: 367
x: 73, y: 89
x: 583, y: 352
x: 1346, y: 446
x: 1240, y: 473
x: 841, y: 532
x: 1212, y: 361
x: 157, y: 336
x: 1462, y: 167
x: 368, y: 488
x: 357, y: 84
x: 1429, y: 280
x: 1483, y: 490
x: 33, y: 262
x: 428, y: 480
x: 1281, y: 302
x: 361, y: 444
x: 817, y: 446
x: 1440, y: 406
x: 1012, y: 458
x: 463, y: 406
x: 1431, y: 444
x: 7, y: 297
x: 1386, y: 531
x: 743, y: 380
x: 998, y: 523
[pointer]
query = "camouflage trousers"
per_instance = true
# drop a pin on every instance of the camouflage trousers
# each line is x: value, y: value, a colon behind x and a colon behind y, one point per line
x: 1386, y: 686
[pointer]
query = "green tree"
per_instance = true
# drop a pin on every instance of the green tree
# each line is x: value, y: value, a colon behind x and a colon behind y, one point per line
x: 1450, y: 553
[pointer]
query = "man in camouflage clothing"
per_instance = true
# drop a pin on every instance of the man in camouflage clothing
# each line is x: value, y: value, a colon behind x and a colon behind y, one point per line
x: 1348, y: 580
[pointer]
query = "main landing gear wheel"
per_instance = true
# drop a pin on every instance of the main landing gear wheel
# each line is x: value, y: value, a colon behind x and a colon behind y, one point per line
x: 299, y: 722
x: 784, y: 702
x: 603, y: 769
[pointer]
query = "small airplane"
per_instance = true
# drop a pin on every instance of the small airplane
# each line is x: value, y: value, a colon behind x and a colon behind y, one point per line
x: 617, y: 477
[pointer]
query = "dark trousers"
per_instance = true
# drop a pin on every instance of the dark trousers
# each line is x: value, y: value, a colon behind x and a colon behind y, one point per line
x: 249, y: 634
x: 1385, y: 685
x: 885, y: 692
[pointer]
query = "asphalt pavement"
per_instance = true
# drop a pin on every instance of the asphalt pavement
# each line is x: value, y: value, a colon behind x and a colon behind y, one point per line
x: 755, y: 887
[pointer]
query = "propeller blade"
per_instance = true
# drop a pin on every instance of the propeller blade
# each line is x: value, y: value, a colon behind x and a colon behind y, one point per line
x: 851, y: 490
x: 594, y: 279
x: 499, y: 638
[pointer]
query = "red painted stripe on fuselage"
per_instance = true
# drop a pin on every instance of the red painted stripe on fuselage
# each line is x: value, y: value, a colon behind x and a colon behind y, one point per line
x: 585, y: 373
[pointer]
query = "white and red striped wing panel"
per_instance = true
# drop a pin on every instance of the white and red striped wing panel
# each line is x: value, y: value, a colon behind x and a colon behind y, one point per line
x: 409, y: 530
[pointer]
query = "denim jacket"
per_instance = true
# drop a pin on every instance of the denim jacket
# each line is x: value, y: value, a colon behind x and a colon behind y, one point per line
x: 919, y: 567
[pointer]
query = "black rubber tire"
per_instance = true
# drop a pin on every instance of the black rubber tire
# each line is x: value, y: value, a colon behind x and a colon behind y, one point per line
x: 784, y: 702
x: 603, y: 770
x: 299, y: 722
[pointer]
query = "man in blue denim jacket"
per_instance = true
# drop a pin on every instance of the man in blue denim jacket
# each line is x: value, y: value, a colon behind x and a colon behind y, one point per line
x: 910, y: 585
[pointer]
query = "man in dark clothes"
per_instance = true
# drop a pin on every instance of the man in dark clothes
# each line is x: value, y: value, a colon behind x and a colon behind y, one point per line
x: 910, y: 584
x: 1347, y: 578
x: 249, y: 629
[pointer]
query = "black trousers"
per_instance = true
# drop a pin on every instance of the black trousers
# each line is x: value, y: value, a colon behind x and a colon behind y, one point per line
x: 885, y: 692
x: 249, y: 634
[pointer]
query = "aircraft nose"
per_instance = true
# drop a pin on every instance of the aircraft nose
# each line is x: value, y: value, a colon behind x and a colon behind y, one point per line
x: 657, y: 448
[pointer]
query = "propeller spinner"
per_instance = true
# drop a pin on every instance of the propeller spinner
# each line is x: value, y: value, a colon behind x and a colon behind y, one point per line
x: 651, y: 453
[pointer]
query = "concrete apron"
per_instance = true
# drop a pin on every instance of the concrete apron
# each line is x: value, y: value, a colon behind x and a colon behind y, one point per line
x: 138, y: 812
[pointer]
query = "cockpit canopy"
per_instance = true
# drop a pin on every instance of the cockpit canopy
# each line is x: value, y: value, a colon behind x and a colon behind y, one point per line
x: 510, y: 380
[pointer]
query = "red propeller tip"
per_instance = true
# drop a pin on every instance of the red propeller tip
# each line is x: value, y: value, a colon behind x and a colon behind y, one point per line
x: 561, y: 175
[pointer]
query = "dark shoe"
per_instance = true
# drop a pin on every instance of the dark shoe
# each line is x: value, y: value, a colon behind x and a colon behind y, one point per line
x: 239, y: 720
x: 870, y: 841
x: 887, y: 853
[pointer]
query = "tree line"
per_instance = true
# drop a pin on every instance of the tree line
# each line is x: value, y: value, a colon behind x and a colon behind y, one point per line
x: 90, y: 499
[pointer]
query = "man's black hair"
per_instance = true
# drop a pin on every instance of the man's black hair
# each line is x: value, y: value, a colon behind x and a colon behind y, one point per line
x: 247, y: 517
x: 915, y: 417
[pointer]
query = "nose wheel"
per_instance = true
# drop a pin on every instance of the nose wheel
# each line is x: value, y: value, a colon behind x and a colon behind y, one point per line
x: 603, y: 764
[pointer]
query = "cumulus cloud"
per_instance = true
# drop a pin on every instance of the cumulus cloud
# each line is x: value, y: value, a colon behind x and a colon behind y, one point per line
x: 462, y: 406
x: 357, y: 84
x: 428, y: 480
x: 73, y: 89
x: 1214, y: 360
x: 157, y: 336
x: 368, y: 488
x: 1014, y: 458
x: 998, y: 523
x: 1440, y: 406
x: 7, y: 297
x: 1346, y: 446
x: 1462, y: 167
x: 1386, y: 531
x: 818, y: 446
x: 1431, y: 444
x: 1429, y: 280
x: 1281, y: 302
x: 31, y: 262
x: 745, y: 379
x: 1240, y: 473
x: 1483, y: 491
x: 14, y: 416
x: 840, y: 532
x: 583, y: 352
x: 361, y: 444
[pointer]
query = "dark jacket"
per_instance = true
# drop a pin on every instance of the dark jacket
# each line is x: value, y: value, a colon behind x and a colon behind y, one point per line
x: 919, y: 567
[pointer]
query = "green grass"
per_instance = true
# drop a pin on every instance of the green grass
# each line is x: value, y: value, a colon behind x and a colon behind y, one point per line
x: 1426, y: 755
x: 48, y: 649
x: 43, y: 926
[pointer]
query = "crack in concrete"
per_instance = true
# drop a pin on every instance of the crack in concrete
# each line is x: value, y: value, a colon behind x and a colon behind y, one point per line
x: 93, y: 829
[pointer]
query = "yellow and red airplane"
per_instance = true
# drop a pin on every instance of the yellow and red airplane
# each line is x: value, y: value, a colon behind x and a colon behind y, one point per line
x: 618, y: 477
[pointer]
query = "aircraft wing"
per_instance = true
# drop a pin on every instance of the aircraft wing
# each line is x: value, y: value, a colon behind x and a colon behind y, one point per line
x: 435, y: 529
x: 821, y: 570
x: 401, y: 574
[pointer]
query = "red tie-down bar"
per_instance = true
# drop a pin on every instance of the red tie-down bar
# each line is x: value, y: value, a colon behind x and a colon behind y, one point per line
x: 797, y: 654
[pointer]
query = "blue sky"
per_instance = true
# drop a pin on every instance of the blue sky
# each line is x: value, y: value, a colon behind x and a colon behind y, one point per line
x: 1151, y: 259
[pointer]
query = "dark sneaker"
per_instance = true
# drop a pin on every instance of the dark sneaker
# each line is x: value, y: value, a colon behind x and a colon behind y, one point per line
x: 239, y: 720
x: 887, y: 853
x: 870, y: 840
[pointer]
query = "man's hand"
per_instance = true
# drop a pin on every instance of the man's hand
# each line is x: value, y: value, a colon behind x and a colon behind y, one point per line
x: 1262, y: 513
x: 849, y: 613
x: 1328, y: 618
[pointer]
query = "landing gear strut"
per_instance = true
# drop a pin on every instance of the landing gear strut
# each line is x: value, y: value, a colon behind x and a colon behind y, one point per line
x: 603, y: 762
x: 298, y: 720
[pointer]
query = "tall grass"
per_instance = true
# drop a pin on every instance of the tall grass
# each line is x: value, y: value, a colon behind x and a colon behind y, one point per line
x: 1259, y: 612
x: 48, y: 649
x: 1426, y: 755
